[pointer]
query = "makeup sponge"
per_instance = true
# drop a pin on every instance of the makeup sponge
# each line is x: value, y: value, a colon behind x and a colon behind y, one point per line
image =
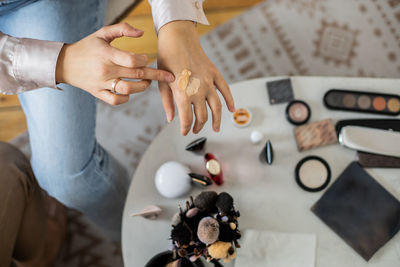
x: 222, y: 250
x: 192, y: 212
x: 224, y: 203
x: 181, y: 234
x: 206, y: 200
x: 208, y: 230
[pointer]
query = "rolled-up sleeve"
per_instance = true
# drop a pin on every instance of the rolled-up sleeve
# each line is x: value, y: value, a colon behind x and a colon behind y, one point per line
x: 27, y: 64
x: 165, y: 11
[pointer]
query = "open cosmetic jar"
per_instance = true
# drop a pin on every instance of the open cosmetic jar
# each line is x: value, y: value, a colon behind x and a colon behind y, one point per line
x: 298, y: 112
x: 313, y: 174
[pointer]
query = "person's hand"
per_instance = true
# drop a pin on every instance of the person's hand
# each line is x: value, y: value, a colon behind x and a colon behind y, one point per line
x: 178, y: 49
x: 92, y: 64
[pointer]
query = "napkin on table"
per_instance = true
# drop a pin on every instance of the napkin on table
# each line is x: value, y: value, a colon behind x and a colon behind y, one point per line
x: 275, y: 249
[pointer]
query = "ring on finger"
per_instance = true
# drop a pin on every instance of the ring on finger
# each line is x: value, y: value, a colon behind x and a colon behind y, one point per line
x: 114, y: 85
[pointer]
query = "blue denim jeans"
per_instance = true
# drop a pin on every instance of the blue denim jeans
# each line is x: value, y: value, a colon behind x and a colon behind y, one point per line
x: 66, y: 158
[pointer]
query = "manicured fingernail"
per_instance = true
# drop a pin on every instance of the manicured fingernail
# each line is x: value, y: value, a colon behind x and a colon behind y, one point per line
x: 169, y: 117
x: 170, y: 78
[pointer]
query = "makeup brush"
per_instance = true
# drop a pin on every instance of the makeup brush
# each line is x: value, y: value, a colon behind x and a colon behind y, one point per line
x: 150, y: 212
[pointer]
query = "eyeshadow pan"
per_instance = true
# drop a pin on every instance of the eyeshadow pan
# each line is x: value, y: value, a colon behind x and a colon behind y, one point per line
x: 379, y: 103
x: 333, y: 99
x: 298, y: 112
x: 364, y: 101
x: 394, y: 105
x: 349, y: 100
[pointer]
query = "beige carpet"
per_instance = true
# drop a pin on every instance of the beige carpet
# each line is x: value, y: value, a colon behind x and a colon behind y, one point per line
x: 277, y: 37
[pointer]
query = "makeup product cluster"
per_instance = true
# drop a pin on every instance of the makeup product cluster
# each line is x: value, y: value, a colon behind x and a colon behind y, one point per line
x: 353, y: 204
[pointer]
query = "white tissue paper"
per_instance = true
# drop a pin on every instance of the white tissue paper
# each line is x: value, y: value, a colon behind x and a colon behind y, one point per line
x: 274, y: 249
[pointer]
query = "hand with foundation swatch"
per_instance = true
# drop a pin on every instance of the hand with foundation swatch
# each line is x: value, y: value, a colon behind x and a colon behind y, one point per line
x: 196, y: 78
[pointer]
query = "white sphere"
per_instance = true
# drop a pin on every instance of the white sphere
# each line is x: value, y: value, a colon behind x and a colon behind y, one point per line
x: 173, y: 180
x: 256, y: 137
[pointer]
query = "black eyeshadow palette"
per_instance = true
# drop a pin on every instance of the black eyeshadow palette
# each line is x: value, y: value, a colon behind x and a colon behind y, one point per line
x: 358, y: 209
x: 347, y: 100
x: 280, y: 91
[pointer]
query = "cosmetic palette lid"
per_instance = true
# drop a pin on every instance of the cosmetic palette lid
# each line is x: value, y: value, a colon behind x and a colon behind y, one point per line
x: 360, y: 211
x: 241, y: 117
x: 313, y: 173
x: 298, y: 112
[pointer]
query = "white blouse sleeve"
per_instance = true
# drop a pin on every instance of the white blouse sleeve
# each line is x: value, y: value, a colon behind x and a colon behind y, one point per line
x: 165, y: 11
x: 27, y: 64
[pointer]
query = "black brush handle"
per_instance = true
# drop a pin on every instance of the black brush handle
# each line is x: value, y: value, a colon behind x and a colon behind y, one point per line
x: 384, y: 124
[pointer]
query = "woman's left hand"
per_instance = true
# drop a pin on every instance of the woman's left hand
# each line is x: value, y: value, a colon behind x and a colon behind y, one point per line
x: 178, y: 49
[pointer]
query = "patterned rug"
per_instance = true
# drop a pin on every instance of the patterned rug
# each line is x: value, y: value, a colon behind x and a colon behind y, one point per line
x: 276, y: 37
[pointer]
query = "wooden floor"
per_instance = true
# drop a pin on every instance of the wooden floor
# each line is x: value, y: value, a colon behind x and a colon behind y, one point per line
x: 12, y: 119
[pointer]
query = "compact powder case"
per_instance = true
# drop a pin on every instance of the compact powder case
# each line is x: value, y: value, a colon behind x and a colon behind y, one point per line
x: 298, y: 112
x: 313, y: 174
x: 378, y: 103
x: 280, y: 91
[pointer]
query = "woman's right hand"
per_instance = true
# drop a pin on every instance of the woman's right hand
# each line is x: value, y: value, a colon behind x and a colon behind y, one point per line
x: 92, y: 64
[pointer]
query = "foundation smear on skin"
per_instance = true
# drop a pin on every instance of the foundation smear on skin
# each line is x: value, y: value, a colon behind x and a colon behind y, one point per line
x: 188, y: 84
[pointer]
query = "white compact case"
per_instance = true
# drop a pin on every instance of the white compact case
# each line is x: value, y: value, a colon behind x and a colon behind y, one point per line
x: 371, y: 140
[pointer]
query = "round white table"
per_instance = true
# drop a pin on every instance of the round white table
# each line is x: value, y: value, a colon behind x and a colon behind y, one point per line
x: 267, y: 197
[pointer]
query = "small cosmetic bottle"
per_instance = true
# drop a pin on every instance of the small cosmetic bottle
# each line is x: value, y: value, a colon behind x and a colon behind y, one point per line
x: 214, y: 168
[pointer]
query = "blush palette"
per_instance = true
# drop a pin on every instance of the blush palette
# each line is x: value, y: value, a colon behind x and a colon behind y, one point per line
x: 378, y: 103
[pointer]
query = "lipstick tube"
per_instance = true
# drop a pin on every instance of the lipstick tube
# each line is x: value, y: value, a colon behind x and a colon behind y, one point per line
x: 214, y: 168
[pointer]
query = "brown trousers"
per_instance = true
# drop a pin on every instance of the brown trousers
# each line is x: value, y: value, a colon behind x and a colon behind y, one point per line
x: 22, y: 208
